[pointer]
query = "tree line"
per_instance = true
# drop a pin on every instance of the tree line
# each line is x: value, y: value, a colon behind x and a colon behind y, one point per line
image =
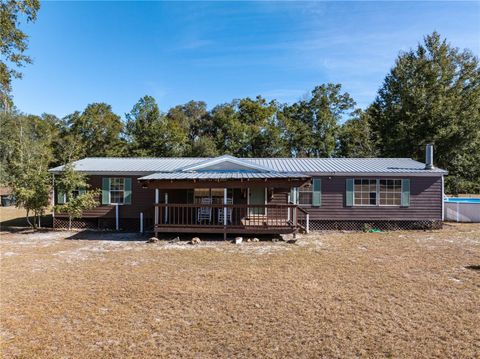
x: 431, y: 95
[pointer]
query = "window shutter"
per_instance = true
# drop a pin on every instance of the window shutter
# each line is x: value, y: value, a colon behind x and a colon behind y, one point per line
x: 128, y: 191
x: 60, y: 197
x: 349, y: 192
x: 317, y: 192
x: 405, y: 193
x: 105, y: 190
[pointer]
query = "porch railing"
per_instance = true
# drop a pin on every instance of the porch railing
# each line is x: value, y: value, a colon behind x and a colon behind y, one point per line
x: 231, y: 216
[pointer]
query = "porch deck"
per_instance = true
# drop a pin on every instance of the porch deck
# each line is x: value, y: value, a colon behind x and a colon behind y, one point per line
x: 240, y: 218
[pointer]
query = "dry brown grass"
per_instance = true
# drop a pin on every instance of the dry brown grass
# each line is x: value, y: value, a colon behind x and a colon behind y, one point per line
x: 15, y: 217
x: 396, y: 294
x: 8, y: 213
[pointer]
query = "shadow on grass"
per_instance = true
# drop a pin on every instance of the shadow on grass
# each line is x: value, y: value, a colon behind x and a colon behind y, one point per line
x: 21, y: 224
x: 92, y: 235
x: 473, y: 267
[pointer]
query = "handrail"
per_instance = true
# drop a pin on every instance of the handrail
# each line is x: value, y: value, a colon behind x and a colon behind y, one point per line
x: 260, y: 216
x: 221, y: 205
x: 303, y: 219
x: 302, y: 210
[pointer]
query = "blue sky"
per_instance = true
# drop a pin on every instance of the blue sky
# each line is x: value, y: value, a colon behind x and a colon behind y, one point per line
x: 117, y: 52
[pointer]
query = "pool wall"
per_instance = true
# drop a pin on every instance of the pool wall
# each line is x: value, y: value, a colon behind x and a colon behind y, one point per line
x: 462, y: 211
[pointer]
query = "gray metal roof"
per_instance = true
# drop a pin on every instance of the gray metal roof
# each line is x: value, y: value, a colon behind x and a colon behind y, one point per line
x: 331, y: 166
x: 221, y: 175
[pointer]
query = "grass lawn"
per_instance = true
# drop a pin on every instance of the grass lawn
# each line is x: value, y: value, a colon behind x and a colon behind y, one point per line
x: 15, y: 217
x: 393, y: 294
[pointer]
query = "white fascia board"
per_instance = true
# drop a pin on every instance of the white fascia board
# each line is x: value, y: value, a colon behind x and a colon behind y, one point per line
x: 110, y: 173
x: 225, y: 158
x: 380, y: 174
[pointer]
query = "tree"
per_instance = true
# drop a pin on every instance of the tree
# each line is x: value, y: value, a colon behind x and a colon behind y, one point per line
x: 145, y: 129
x: 297, y: 133
x: 98, y: 129
x: 13, y: 43
x: 355, y: 137
x: 312, y: 125
x: 231, y: 135
x: 204, y: 146
x: 67, y: 146
x: 73, y: 186
x: 248, y: 128
x: 263, y: 133
x: 25, y: 146
x: 192, y: 126
x: 432, y: 94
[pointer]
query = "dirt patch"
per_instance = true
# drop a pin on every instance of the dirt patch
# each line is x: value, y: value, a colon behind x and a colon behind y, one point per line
x: 392, y: 294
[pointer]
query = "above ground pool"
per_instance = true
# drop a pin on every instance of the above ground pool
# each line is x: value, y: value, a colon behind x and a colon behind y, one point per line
x: 462, y: 209
x: 462, y: 200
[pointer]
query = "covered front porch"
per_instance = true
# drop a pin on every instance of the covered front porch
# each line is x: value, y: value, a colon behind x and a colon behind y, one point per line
x: 233, y: 205
x: 226, y: 195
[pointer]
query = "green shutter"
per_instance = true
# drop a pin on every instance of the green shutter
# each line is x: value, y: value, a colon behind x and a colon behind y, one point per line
x: 349, y: 192
x: 128, y: 191
x: 405, y: 192
x: 60, y: 197
x: 105, y: 190
x: 81, y: 191
x: 317, y: 192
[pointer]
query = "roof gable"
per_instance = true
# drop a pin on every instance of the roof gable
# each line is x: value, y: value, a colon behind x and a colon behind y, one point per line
x: 226, y: 163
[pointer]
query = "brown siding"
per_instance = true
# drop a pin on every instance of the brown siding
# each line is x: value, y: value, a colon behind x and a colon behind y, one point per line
x: 142, y: 201
x: 425, y: 202
x: 279, y: 196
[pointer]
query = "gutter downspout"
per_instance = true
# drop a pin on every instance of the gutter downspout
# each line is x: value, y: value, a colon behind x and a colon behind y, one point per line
x: 443, y: 198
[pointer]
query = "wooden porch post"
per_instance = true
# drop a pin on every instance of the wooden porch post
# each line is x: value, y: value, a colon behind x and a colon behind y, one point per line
x: 117, y: 224
x: 166, y: 208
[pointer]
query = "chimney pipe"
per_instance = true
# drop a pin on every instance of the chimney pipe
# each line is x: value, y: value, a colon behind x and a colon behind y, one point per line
x: 429, y: 157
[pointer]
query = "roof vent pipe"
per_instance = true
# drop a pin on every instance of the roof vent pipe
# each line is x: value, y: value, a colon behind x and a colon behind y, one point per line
x: 429, y: 157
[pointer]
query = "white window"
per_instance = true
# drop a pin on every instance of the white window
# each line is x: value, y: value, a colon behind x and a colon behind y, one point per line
x: 365, y: 192
x: 117, y: 190
x: 390, y: 192
x: 305, y: 195
x: 377, y: 192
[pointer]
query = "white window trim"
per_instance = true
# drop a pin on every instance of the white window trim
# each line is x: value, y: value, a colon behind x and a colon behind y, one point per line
x: 376, y: 193
x: 110, y: 192
x: 297, y: 199
x: 377, y: 199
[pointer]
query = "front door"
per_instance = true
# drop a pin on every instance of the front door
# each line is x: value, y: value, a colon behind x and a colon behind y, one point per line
x: 257, y: 196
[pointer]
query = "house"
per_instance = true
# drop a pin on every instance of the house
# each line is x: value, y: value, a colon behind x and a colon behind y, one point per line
x: 6, y: 198
x: 260, y: 195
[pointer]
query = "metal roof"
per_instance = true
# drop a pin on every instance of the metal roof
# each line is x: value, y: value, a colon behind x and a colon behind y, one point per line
x: 330, y: 166
x: 220, y: 175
